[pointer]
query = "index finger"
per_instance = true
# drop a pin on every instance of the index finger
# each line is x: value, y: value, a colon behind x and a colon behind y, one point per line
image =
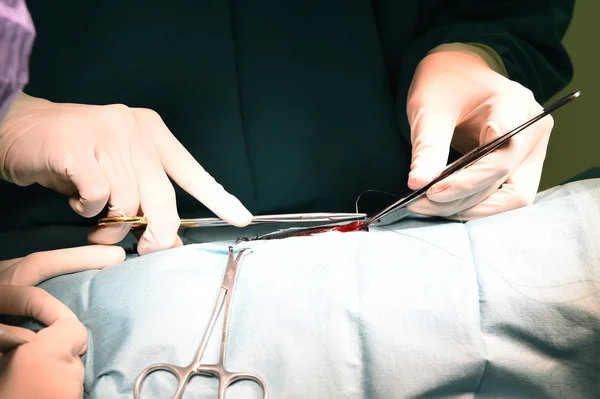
x: 32, y: 302
x: 70, y: 334
x: 38, y: 304
x: 40, y: 266
x: 181, y: 166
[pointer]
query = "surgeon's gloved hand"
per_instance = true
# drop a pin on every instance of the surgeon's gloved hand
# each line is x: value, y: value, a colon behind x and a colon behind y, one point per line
x: 109, y: 154
x: 48, y: 366
x: 458, y: 98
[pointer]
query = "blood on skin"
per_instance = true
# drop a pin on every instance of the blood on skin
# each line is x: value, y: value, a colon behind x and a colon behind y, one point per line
x: 310, y: 231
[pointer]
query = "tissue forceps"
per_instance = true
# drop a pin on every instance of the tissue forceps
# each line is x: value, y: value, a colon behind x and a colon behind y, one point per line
x: 140, y: 222
x: 468, y: 159
x: 226, y: 378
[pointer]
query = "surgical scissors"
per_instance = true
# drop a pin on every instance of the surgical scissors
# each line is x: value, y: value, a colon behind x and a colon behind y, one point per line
x: 226, y: 378
x: 140, y: 222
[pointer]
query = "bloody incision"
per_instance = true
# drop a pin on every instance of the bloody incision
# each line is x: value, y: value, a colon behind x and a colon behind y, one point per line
x: 309, y: 231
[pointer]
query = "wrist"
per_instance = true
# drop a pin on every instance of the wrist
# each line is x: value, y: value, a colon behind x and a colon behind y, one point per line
x: 15, y: 103
x: 19, y: 102
x: 481, y: 51
x: 17, y: 107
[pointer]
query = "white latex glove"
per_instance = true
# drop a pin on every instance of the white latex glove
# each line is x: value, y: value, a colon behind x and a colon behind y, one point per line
x: 49, y: 365
x: 456, y: 99
x: 109, y: 154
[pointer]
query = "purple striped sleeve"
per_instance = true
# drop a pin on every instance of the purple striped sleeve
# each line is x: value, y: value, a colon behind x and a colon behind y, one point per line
x: 16, y: 40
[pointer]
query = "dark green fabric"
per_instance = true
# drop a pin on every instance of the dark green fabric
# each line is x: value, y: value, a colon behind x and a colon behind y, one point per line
x: 592, y: 173
x: 291, y: 105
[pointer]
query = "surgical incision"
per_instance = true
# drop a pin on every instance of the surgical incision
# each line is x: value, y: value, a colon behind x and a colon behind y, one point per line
x: 343, y: 228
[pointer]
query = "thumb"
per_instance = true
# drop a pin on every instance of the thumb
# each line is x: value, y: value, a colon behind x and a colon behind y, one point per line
x: 67, y: 336
x: 40, y: 305
x: 431, y: 130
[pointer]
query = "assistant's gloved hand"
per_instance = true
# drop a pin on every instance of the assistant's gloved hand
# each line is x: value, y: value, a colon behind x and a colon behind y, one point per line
x: 109, y: 154
x: 49, y: 365
x: 457, y: 99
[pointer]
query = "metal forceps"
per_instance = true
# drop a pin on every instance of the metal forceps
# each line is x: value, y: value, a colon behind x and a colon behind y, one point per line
x: 226, y: 378
x: 468, y: 159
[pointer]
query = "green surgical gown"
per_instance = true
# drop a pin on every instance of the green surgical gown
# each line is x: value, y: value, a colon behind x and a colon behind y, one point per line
x: 292, y: 105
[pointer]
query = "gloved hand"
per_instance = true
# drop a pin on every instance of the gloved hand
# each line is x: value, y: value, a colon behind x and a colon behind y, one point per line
x: 457, y: 98
x: 109, y: 154
x: 49, y: 365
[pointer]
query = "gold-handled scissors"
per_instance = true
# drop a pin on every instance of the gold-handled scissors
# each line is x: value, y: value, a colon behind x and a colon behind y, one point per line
x: 140, y: 222
x: 226, y: 378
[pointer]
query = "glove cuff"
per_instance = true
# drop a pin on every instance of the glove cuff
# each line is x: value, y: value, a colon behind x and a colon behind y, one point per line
x: 481, y: 51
